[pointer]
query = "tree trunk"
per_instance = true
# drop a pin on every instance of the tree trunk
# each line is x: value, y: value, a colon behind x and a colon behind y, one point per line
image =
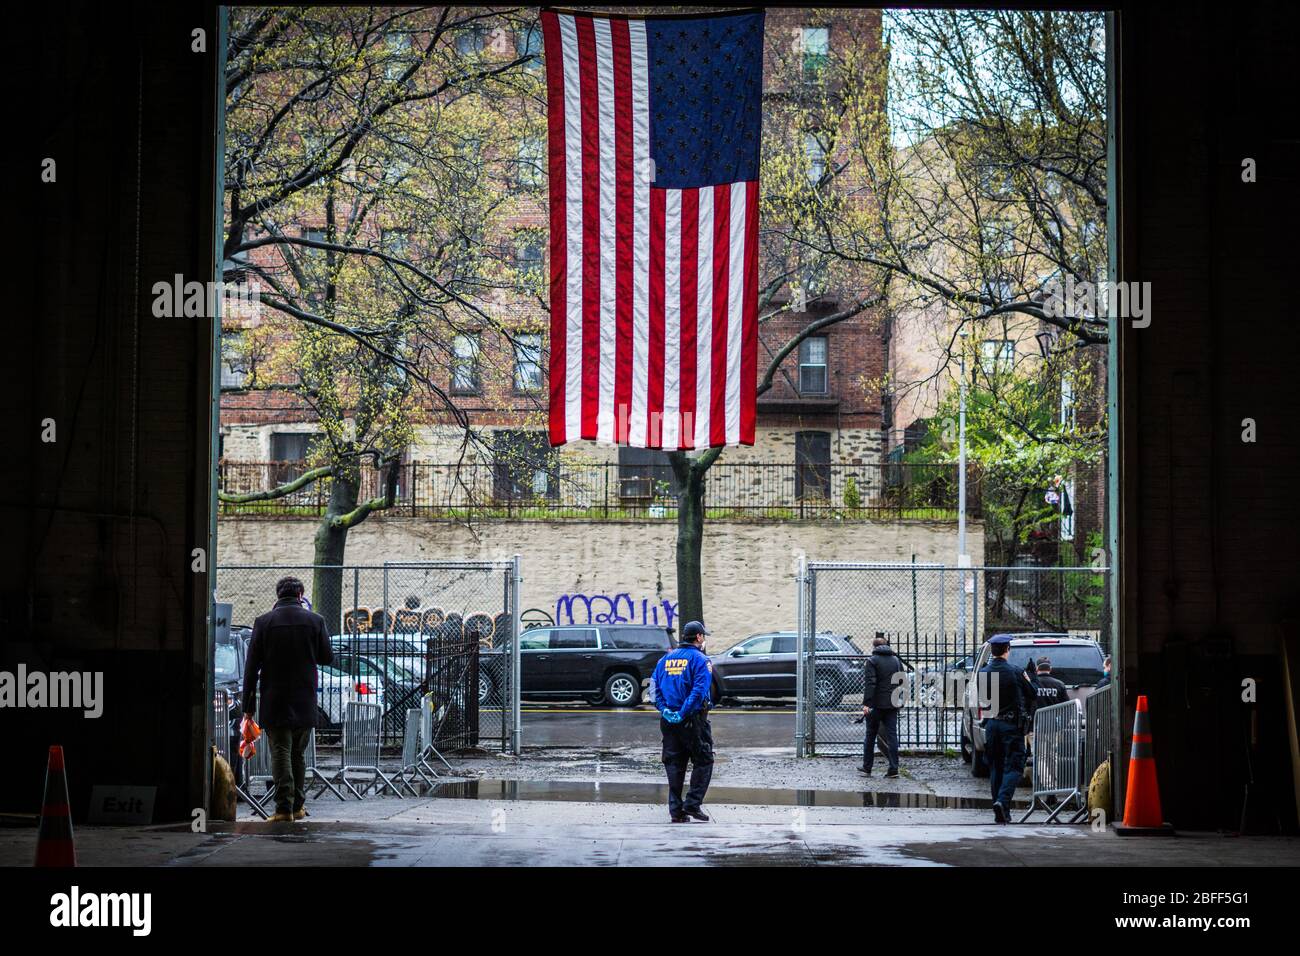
x: 690, y: 538
x: 331, y: 543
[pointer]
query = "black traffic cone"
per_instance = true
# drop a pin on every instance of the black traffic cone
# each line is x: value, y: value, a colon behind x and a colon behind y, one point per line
x: 54, y: 846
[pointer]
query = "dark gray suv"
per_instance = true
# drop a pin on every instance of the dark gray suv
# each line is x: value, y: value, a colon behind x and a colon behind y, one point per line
x: 764, y: 665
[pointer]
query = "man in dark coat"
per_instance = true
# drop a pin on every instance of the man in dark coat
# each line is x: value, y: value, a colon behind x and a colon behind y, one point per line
x: 880, y: 705
x: 287, y: 645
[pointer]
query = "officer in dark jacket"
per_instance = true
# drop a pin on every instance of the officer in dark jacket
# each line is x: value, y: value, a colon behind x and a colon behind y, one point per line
x: 1050, y: 689
x: 1004, y: 731
x: 682, y: 680
x: 880, y: 704
x: 287, y: 645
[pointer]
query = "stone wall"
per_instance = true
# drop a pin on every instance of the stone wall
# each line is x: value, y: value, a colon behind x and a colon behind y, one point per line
x: 577, y: 571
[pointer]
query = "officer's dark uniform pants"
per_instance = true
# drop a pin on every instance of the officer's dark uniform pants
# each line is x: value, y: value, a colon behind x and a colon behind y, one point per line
x: 691, y: 740
x: 1004, y: 748
x: 884, y: 722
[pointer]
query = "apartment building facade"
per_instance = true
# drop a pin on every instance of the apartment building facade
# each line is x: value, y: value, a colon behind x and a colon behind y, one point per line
x: 817, y: 420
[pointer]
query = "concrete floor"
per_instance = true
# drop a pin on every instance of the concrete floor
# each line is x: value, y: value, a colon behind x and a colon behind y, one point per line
x: 460, y: 832
x: 594, y: 807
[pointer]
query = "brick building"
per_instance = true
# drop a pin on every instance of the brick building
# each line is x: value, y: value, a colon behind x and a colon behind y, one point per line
x: 817, y: 418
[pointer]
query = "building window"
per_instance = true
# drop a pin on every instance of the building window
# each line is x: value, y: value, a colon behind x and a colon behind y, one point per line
x: 234, y: 358
x: 645, y: 474
x: 812, y: 366
x: 815, y: 153
x: 530, y: 161
x: 401, y: 51
x: 289, y: 451
x: 812, y: 466
x: 998, y: 238
x: 1000, y: 288
x: 523, y: 466
x: 528, y: 43
x: 528, y: 254
x: 1067, y: 510
x: 396, y: 243
x: 815, y: 44
x: 464, y: 364
x: 472, y: 40
x: 997, y: 355
x: 1068, y: 416
x: 528, y: 363
x: 290, y: 446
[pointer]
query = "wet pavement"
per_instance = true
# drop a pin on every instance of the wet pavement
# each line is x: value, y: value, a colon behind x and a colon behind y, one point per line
x: 581, y: 725
x: 656, y: 794
x: 607, y: 807
x: 513, y: 832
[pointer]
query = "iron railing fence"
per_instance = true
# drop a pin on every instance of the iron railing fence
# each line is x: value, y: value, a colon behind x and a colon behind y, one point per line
x: 609, y: 490
x: 937, y: 619
x: 452, y: 677
x: 401, y: 630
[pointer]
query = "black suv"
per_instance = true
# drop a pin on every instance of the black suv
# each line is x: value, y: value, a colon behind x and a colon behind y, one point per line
x: 598, y: 663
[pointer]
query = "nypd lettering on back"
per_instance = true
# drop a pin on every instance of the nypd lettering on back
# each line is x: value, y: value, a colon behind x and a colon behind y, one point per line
x: 676, y: 666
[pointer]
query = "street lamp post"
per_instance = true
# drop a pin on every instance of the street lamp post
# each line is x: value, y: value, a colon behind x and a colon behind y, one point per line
x: 963, y: 561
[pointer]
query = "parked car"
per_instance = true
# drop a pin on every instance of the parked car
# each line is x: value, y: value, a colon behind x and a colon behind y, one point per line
x: 405, y: 651
x: 765, y: 665
x: 598, y: 663
x: 335, y: 689
x: 1076, y: 662
x: 397, y: 675
x: 228, y: 658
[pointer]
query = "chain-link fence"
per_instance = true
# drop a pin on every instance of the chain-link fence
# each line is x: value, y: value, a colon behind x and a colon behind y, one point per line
x: 936, y: 619
x: 400, y: 630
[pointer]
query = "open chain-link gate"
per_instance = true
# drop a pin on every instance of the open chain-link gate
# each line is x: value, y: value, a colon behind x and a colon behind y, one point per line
x: 401, y: 630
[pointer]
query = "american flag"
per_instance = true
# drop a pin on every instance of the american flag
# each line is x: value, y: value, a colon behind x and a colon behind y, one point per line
x: 653, y: 128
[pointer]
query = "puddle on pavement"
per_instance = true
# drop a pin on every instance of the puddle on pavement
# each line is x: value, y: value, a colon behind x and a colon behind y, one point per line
x: 657, y: 794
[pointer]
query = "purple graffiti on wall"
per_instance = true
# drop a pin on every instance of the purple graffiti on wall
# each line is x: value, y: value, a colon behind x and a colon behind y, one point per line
x: 613, y: 609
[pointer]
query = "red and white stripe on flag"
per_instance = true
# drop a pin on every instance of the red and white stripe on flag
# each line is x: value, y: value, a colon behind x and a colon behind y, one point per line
x: 654, y: 291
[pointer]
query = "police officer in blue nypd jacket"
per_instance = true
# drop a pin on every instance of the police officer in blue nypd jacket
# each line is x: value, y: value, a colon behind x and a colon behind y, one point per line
x: 1004, y: 731
x: 682, y: 680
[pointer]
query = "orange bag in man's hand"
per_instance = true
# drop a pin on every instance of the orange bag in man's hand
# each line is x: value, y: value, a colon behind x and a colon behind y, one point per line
x: 248, y: 734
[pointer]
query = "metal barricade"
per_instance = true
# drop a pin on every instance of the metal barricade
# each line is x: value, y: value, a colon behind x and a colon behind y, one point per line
x: 1098, y: 732
x: 221, y: 724
x: 412, y: 760
x: 257, y: 770
x: 433, y: 715
x: 1058, y: 748
x: 362, y: 725
x: 314, y: 773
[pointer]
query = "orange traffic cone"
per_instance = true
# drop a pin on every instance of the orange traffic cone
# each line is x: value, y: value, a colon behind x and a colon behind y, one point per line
x: 1142, y: 813
x: 54, y: 845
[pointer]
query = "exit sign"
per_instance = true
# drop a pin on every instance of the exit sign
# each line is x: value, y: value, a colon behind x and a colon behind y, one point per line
x: 121, y: 806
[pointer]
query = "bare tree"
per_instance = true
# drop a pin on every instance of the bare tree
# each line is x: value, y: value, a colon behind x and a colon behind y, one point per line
x: 368, y: 178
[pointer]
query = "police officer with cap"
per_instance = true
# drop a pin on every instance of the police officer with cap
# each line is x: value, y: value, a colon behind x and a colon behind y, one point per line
x: 682, y: 681
x: 1004, y: 731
